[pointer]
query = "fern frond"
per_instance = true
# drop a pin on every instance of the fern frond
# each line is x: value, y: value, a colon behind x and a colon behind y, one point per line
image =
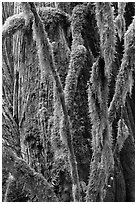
x: 107, y: 31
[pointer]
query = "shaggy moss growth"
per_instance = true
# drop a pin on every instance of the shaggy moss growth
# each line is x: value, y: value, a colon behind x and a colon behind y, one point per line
x: 107, y: 31
x: 77, y: 62
x: 52, y: 19
x: 125, y: 80
x: 67, y: 6
x: 102, y: 161
x: 84, y: 15
x: 15, y: 23
x: 120, y: 20
x: 78, y: 21
x: 78, y: 58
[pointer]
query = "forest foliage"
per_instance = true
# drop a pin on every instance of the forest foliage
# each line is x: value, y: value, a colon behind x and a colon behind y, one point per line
x: 68, y: 82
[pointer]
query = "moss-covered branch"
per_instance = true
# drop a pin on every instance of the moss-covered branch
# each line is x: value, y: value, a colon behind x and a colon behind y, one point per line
x: 77, y: 62
x: 33, y: 181
x: 125, y: 80
x: 102, y: 162
x: 107, y: 31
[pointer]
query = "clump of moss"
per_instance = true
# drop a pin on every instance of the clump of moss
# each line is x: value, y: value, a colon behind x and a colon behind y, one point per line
x: 77, y: 62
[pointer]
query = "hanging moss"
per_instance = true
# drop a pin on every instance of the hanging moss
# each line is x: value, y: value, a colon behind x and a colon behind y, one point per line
x: 124, y: 81
x: 120, y: 20
x: 95, y: 180
x: 74, y: 140
x: 107, y: 31
x: 102, y: 163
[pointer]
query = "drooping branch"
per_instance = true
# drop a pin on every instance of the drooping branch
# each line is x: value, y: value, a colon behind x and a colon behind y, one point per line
x: 46, y: 59
x: 33, y: 181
